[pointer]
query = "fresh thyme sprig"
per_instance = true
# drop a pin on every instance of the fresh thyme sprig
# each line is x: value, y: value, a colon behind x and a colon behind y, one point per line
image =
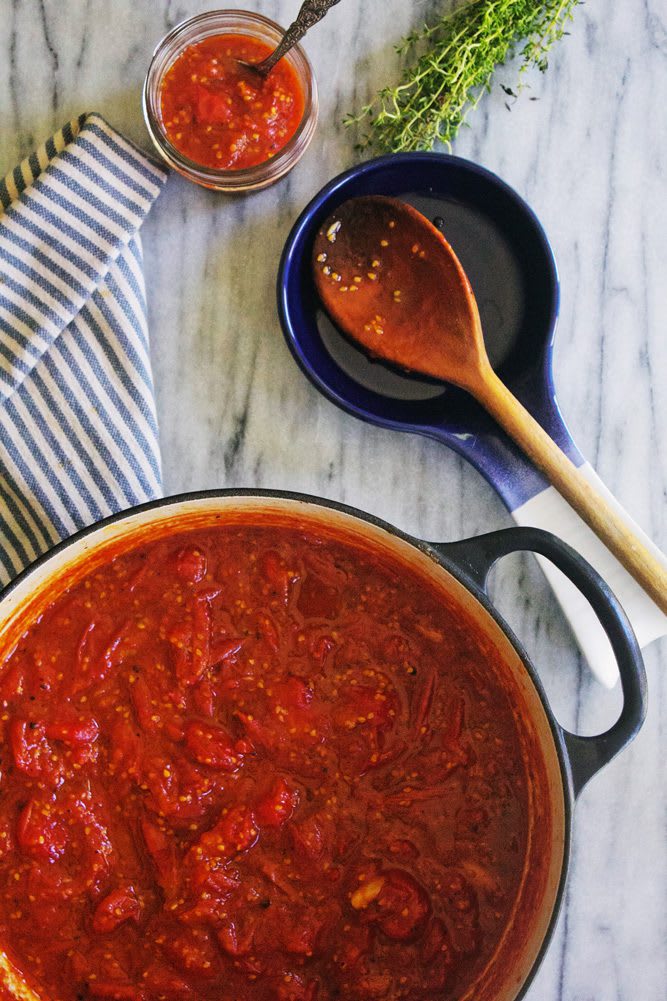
x: 454, y: 60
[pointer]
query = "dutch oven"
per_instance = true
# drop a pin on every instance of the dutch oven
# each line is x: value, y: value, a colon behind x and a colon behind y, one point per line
x: 561, y: 762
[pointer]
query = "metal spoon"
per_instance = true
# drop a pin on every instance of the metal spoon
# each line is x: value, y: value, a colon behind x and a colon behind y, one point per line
x: 311, y: 12
x: 391, y: 281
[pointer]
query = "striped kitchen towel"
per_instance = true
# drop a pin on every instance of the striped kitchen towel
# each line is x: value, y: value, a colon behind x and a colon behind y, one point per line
x: 78, y: 429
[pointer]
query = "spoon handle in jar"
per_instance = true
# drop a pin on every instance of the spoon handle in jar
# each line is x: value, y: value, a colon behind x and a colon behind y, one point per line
x: 311, y: 12
x: 589, y: 503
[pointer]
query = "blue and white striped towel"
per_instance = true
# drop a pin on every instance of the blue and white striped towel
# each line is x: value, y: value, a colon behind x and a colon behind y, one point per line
x: 78, y: 429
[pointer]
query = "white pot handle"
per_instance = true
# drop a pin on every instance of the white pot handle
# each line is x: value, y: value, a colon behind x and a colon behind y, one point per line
x: 548, y: 510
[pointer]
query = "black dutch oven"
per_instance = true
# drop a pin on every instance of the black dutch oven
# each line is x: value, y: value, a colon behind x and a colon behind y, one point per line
x: 559, y: 764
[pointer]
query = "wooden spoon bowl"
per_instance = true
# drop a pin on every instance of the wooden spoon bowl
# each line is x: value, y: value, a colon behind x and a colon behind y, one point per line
x: 380, y: 269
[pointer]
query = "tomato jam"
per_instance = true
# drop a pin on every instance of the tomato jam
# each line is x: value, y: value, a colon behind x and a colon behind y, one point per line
x: 224, y: 116
x: 252, y: 762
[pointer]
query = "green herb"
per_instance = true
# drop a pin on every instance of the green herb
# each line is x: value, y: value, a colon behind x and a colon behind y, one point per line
x: 452, y: 64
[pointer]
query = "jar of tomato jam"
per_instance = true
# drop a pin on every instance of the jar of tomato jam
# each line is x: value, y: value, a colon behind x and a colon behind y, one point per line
x: 218, y: 123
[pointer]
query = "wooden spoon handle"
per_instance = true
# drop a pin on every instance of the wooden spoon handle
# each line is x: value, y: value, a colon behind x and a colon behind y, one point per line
x: 561, y: 471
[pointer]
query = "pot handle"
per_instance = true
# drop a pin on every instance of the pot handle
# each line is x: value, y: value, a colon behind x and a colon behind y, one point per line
x: 587, y: 755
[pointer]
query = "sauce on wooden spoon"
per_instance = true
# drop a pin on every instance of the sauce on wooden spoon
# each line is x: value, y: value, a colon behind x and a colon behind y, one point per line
x: 394, y: 284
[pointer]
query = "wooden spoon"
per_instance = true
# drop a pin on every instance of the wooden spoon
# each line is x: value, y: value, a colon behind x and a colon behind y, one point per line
x: 391, y: 281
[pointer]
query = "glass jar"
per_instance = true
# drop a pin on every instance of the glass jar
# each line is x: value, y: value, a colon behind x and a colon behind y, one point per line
x: 195, y: 29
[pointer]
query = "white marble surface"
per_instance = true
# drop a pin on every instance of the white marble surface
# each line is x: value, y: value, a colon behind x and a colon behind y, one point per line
x: 591, y: 157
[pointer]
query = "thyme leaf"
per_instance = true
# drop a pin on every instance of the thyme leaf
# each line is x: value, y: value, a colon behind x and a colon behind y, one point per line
x: 450, y: 67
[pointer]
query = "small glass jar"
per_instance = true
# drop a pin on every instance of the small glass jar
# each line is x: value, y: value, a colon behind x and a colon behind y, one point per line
x: 224, y: 22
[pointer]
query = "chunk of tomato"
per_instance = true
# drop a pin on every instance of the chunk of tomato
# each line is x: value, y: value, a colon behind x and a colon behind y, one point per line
x: 126, y: 748
x: 403, y: 905
x: 375, y: 707
x: 301, y: 932
x: 278, y: 805
x: 145, y: 705
x: 162, y: 851
x: 235, y: 832
x: 192, y: 951
x: 212, y: 746
x: 395, y: 902
x: 40, y: 832
x: 280, y: 579
x: 32, y: 752
x: 313, y: 838
x: 113, y: 910
x: 74, y: 732
x: 293, y: 693
x: 211, y: 108
x: 191, y: 564
x: 236, y: 937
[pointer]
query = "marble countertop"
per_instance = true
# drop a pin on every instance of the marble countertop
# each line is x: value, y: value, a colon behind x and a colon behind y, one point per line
x: 590, y: 156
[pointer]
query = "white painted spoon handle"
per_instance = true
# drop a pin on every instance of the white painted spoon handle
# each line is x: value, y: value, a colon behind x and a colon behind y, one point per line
x: 548, y: 510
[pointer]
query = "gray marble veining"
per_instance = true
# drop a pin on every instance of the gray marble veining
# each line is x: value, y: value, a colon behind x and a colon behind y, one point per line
x: 590, y: 155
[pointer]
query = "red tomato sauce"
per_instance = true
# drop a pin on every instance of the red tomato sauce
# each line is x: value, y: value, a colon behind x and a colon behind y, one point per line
x: 248, y: 763
x: 222, y: 116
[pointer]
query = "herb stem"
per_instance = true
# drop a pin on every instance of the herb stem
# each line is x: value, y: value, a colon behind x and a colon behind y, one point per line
x: 451, y: 64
